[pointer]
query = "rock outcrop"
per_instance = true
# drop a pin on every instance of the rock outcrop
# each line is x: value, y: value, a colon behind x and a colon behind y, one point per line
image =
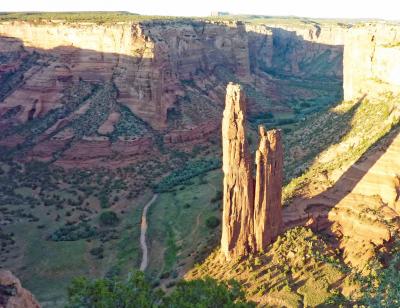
x: 12, y: 294
x: 238, y: 202
x: 252, y: 216
x: 268, y: 188
x: 361, y: 209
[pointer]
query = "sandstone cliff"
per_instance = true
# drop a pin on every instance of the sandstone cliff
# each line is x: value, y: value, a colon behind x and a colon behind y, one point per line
x: 370, y: 61
x: 252, y: 217
x: 172, y: 74
x: 13, y: 295
x: 145, y: 60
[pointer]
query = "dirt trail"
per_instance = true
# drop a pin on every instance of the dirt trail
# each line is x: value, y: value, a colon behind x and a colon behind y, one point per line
x: 143, y: 229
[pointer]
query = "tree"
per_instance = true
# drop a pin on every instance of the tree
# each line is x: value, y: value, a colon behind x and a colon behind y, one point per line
x: 383, y: 288
x: 206, y: 293
x: 212, y: 222
x: 112, y: 293
x: 136, y: 291
x: 109, y: 218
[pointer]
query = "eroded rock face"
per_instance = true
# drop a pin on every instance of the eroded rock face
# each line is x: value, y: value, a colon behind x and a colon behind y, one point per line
x: 252, y: 216
x: 268, y: 188
x: 237, y: 232
x: 361, y: 209
x: 370, y: 61
x: 12, y: 294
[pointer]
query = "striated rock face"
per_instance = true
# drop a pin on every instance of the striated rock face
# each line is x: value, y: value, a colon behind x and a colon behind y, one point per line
x: 268, y: 188
x: 252, y: 217
x: 237, y: 221
x: 370, y: 60
x: 361, y: 209
x: 12, y: 294
x: 146, y: 61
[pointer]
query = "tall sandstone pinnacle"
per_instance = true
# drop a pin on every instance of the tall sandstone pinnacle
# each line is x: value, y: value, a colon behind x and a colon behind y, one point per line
x: 268, y: 188
x: 238, y: 202
x: 252, y: 215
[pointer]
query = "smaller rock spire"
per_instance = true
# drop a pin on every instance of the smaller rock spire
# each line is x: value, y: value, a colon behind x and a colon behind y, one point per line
x: 268, y: 188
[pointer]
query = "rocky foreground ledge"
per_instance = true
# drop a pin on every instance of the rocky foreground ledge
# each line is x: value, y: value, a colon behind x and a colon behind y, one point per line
x: 13, y: 295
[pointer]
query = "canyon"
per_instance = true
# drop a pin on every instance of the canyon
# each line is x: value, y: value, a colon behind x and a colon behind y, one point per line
x: 99, y: 117
x: 171, y: 75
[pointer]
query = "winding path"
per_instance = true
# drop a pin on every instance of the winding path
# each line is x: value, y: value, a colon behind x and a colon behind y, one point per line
x: 143, y: 229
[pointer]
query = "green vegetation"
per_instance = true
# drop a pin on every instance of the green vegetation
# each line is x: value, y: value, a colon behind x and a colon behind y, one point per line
x: 109, y: 218
x: 212, y: 222
x: 54, y: 224
x: 178, y: 229
x: 136, y: 291
x: 332, y: 140
x: 299, y: 269
x: 73, y: 97
x: 100, y: 106
x: 108, y: 293
x: 94, y: 17
x: 182, y: 175
x: 73, y: 232
x: 383, y: 285
x: 112, y: 17
x: 129, y: 125
x: 9, y: 81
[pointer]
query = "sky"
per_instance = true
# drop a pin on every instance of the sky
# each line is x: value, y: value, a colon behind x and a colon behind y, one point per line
x: 383, y: 9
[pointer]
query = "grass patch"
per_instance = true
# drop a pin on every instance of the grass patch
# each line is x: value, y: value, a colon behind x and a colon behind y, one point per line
x: 178, y: 233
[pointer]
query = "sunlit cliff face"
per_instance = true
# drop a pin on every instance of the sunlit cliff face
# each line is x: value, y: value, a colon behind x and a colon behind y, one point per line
x: 116, y: 38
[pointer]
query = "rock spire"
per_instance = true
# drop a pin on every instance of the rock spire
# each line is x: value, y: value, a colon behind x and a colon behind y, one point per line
x: 238, y: 189
x: 268, y: 188
x: 252, y: 216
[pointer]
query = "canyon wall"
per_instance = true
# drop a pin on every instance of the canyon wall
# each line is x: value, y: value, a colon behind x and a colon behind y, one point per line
x: 172, y: 74
x: 252, y: 215
x: 146, y: 61
x: 371, y: 60
x: 302, y: 51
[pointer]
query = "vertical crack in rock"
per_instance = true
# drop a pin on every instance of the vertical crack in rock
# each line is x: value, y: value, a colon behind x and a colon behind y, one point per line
x: 237, y: 235
x: 268, y: 188
x: 252, y: 217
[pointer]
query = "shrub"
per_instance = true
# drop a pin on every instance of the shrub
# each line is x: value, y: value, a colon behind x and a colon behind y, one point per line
x: 104, y: 202
x: 73, y: 232
x: 206, y: 293
x: 109, y: 218
x: 212, y: 222
x: 185, y: 173
x: 136, y: 291
x: 218, y: 196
